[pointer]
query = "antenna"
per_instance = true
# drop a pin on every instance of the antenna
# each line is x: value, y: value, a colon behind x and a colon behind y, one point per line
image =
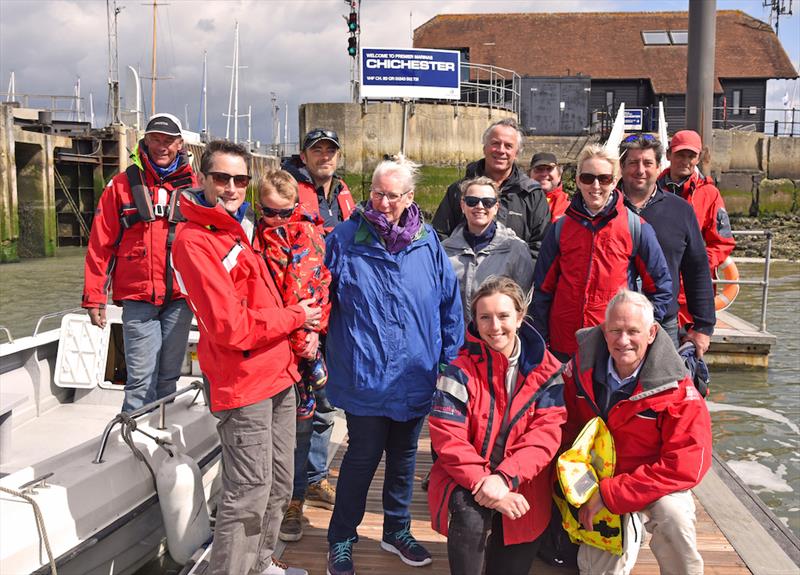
x: 777, y: 8
x: 91, y: 110
x: 113, y: 108
x: 285, y: 125
x: 202, y: 121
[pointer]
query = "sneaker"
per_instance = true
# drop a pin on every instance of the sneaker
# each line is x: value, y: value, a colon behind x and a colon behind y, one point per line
x: 281, y: 568
x: 340, y: 558
x: 321, y: 494
x: 292, y: 524
x: 403, y: 544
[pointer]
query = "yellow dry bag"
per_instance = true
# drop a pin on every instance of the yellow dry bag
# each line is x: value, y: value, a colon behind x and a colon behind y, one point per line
x: 580, y: 469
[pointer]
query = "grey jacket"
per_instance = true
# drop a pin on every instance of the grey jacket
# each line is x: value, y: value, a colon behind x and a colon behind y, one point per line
x: 506, y: 255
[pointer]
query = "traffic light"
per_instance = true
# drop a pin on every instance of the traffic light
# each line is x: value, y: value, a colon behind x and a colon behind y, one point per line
x: 352, y: 22
x: 351, y: 46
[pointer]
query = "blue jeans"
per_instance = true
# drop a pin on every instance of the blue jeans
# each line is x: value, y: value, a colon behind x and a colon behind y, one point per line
x: 311, y: 453
x: 155, y: 345
x: 368, y: 438
x: 671, y: 327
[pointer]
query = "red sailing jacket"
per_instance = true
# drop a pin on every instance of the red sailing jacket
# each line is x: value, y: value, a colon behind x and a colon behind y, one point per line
x: 583, y: 267
x: 132, y: 261
x: 471, y: 413
x: 295, y: 255
x: 712, y: 217
x: 662, y: 432
x: 558, y: 202
x: 244, y: 327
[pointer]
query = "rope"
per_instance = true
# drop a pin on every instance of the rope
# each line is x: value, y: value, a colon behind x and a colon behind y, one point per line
x: 39, y: 524
x: 128, y: 426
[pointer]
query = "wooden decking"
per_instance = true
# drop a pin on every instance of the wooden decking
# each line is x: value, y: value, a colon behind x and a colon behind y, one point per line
x: 310, y: 552
x: 738, y: 342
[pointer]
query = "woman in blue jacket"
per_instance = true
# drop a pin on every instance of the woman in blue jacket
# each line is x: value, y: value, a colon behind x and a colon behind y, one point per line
x: 395, y: 317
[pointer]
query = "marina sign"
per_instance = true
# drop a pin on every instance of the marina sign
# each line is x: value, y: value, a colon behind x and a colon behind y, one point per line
x: 404, y: 73
x: 634, y: 120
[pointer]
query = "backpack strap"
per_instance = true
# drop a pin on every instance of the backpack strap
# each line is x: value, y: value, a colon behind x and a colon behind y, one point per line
x: 559, y: 223
x: 145, y: 212
x: 635, y: 229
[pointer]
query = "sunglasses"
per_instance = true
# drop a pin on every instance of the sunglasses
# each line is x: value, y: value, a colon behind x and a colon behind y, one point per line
x: 273, y: 213
x: 638, y: 137
x: 588, y: 179
x: 473, y: 201
x: 319, y: 134
x: 222, y: 178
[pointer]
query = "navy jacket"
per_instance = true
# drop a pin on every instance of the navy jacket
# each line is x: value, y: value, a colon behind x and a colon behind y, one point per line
x: 679, y: 234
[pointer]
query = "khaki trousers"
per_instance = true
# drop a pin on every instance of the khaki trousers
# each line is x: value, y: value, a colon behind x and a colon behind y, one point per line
x: 257, y: 468
x: 671, y: 522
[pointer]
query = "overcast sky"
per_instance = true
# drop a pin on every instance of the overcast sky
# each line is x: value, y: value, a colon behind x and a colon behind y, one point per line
x: 294, y: 48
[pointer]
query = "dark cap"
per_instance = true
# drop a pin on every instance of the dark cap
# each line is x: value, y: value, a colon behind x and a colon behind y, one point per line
x: 319, y: 134
x: 542, y: 159
x: 164, y: 124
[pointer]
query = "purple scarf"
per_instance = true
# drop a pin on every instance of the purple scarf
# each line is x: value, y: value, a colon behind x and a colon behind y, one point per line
x: 395, y: 236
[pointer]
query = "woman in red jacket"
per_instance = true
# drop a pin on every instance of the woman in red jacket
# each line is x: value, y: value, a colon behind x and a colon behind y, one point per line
x: 495, y: 426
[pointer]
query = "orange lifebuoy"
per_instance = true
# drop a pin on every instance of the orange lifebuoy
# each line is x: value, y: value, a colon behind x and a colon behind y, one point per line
x: 727, y: 270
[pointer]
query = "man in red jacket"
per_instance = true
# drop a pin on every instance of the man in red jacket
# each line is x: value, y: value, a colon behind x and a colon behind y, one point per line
x: 246, y: 360
x: 546, y: 171
x: 683, y: 179
x: 628, y: 372
x: 129, y: 247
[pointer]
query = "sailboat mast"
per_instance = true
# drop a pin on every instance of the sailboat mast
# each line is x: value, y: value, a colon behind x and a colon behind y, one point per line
x: 153, y: 65
x: 233, y: 75
x: 236, y: 86
x: 205, y: 92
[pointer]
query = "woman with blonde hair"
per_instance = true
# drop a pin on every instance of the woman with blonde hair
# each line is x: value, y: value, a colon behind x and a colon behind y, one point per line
x: 598, y: 247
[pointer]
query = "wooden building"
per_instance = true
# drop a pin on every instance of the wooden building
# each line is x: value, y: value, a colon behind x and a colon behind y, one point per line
x: 583, y: 65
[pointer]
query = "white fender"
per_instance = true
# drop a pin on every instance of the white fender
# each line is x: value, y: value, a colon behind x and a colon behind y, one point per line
x: 183, y: 506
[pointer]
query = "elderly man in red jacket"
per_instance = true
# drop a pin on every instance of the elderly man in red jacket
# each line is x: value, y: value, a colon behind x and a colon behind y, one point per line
x: 628, y: 372
x: 245, y: 357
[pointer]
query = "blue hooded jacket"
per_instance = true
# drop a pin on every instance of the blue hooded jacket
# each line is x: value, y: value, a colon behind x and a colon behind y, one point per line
x: 394, y: 319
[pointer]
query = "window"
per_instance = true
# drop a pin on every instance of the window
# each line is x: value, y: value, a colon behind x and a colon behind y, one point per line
x: 736, y: 107
x: 655, y: 38
x: 610, y: 100
x: 679, y: 36
x: 665, y: 38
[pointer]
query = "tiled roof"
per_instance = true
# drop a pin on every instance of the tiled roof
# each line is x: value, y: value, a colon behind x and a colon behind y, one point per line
x: 607, y: 45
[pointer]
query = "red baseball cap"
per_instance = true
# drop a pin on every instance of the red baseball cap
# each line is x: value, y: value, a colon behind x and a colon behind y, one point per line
x: 686, y: 140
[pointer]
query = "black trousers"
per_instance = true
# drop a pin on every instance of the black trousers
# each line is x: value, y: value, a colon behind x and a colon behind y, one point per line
x: 468, y: 546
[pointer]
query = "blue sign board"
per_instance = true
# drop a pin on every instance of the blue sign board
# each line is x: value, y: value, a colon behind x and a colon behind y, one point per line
x: 400, y: 73
x: 633, y: 119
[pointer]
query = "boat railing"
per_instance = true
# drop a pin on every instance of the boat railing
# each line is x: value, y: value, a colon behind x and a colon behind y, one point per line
x: 54, y: 315
x: 160, y: 404
x: 6, y: 331
x: 764, y: 282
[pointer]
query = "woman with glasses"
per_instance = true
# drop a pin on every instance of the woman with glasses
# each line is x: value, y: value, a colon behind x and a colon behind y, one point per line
x: 396, y: 316
x: 597, y: 248
x: 482, y: 246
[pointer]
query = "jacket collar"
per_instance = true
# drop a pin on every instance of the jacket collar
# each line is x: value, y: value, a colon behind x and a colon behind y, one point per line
x: 662, y: 364
x: 216, y: 217
x: 140, y: 158
x: 516, y: 179
x: 456, y: 240
x: 577, y: 209
x: 532, y: 348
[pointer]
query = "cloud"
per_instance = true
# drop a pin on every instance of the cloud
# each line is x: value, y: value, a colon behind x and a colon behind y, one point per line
x: 206, y: 25
x: 295, y: 48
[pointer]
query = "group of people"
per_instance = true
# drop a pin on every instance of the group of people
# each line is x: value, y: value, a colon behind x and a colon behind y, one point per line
x: 312, y: 302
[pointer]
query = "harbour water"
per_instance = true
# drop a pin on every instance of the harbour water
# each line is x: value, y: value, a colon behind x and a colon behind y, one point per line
x: 755, y: 412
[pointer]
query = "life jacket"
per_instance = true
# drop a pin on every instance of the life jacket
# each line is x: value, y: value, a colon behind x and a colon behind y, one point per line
x: 147, y: 211
x: 308, y: 197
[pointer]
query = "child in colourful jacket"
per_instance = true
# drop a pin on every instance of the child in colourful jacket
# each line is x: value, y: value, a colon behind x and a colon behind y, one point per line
x: 291, y: 242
